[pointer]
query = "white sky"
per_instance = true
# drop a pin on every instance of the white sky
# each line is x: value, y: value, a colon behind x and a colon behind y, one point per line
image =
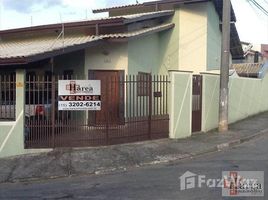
x: 252, y: 25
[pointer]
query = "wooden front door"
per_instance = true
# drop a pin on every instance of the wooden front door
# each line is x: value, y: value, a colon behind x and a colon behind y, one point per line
x: 110, y: 96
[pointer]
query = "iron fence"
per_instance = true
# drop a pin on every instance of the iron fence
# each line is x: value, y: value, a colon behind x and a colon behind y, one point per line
x: 7, y: 97
x: 133, y: 108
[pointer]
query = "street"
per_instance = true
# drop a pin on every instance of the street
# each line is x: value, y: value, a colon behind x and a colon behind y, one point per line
x: 150, y: 182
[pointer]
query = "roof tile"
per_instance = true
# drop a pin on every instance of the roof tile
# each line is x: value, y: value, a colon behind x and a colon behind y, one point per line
x: 31, y: 47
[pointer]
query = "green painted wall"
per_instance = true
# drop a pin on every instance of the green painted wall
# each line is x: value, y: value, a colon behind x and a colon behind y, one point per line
x: 247, y: 97
x: 12, y: 135
x: 210, y: 99
x: 180, y: 105
x: 169, y: 46
x: 194, y: 44
x: 13, y: 143
x: 4, y: 130
x: 213, y: 38
x: 143, y: 54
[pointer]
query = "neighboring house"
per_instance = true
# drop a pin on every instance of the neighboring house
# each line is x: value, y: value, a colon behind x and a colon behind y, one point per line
x: 251, y: 70
x: 252, y: 53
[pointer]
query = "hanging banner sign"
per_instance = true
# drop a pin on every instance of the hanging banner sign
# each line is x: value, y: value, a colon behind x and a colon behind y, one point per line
x: 79, y: 95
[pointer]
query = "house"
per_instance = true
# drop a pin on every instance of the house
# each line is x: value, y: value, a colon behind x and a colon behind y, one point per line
x: 252, y: 53
x: 136, y: 40
x: 177, y: 35
x: 252, y: 70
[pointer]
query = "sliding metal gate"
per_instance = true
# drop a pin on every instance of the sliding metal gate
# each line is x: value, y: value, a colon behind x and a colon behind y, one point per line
x: 134, y: 108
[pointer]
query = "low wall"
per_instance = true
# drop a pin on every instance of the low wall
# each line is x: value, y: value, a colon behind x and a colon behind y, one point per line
x: 5, y: 128
x: 180, y: 125
x: 12, y: 133
x: 247, y: 97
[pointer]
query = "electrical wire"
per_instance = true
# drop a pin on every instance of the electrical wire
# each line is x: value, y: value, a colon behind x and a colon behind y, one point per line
x: 257, y: 5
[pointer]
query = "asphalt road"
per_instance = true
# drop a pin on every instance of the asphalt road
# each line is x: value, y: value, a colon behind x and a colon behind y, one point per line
x: 151, y: 182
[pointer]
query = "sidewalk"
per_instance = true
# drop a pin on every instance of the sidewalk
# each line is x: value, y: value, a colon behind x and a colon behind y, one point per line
x: 67, y: 162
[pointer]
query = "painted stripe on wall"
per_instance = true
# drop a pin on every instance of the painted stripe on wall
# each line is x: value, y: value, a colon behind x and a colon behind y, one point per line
x: 183, y: 100
x: 10, y: 132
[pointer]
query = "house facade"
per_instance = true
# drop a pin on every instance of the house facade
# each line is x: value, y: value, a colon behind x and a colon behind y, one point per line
x: 141, y: 40
x: 176, y: 35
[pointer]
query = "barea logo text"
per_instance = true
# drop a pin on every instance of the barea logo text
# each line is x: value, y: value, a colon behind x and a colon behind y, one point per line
x: 75, y: 88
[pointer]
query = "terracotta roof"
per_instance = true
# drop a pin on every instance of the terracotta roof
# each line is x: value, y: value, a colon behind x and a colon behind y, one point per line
x: 248, y: 69
x: 23, y: 51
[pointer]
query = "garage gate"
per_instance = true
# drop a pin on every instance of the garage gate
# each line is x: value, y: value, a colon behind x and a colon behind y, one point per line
x: 133, y: 108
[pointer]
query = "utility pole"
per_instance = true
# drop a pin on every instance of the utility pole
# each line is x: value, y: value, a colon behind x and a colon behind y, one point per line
x: 224, y: 76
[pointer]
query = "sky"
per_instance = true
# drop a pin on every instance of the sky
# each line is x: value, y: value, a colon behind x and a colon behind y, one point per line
x: 252, y: 25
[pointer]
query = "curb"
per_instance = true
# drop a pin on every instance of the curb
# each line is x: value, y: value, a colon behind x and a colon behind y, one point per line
x: 236, y: 142
x: 169, y: 158
x: 177, y: 157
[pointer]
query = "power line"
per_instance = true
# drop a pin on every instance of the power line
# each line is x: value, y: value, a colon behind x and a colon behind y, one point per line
x: 254, y: 9
x: 257, y: 5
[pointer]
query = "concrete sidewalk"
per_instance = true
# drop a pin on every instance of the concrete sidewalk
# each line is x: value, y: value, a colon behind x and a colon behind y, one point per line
x: 68, y: 162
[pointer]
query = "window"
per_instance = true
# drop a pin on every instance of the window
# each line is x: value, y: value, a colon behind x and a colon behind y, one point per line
x: 143, y: 84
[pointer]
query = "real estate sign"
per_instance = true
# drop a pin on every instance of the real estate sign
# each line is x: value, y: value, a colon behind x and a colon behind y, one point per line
x: 79, y: 95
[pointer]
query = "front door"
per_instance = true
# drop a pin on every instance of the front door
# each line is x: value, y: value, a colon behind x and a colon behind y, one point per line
x: 110, y: 96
